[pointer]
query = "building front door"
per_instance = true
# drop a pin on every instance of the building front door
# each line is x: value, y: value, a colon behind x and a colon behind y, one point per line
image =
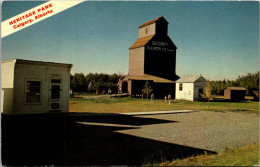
x: 55, y: 95
x: 125, y: 87
x: 200, y: 92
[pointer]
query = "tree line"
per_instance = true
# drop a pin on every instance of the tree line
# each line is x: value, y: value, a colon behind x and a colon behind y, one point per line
x: 92, y: 82
x: 250, y: 82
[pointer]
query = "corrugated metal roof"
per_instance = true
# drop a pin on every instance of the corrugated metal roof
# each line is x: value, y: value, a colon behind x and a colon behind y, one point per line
x: 151, y: 22
x: 149, y: 78
x: 190, y: 78
x: 236, y: 88
x: 141, y: 42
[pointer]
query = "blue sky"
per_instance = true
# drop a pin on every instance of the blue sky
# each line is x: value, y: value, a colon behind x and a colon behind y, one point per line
x: 216, y: 39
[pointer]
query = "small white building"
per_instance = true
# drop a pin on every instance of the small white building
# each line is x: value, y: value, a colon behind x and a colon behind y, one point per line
x: 190, y: 87
x: 33, y: 87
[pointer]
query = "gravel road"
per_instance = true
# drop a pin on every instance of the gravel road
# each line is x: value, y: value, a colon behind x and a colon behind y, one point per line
x: 214, y: 131
x: 116, y: 139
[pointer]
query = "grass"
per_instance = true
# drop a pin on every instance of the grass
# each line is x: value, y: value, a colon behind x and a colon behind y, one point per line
x: 127, y: 104
x: 222, y: 97
x: 243, y: 156
x: 84, y: 95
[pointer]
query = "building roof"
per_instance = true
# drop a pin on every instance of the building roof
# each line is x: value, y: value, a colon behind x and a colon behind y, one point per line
x: 191, y: 78
x: 236, y: 88
x: 151, y: 22
x: 22, y: 61
x: 148, y: 78
x: 141, y: 42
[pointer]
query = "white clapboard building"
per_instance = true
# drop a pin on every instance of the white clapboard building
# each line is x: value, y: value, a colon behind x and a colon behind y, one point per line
x: 33, y: 87
x: 190, y: 87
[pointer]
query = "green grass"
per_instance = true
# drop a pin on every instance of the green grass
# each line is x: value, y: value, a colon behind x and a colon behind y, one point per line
x: 84, y: 95
x: 243, y: 156
x: 127, y: 104
x: 222, y: 97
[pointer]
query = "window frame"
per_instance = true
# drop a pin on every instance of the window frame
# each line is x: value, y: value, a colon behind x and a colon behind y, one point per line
x: 180, y: 86
x: 25, y: 91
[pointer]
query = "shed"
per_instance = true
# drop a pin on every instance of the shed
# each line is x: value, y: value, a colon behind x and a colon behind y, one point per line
x: 190, y: 87
x: 234, y: 93
x: 33, y: 87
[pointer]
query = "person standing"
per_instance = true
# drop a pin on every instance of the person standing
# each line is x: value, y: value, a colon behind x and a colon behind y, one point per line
x: 152, y: 98
x: 165, y: 98
x: 71, y: 93
x: 109, y: 91
x: 169, y: 98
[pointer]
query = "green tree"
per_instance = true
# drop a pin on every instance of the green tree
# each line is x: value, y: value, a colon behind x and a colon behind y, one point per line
x: 94, y: 81
x: 147, y: 89
x: 78, y: 82
x: 249, y: 81
x: 208, y: 92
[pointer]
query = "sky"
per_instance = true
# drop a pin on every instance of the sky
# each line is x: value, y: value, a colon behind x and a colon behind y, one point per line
x: 219, y: 40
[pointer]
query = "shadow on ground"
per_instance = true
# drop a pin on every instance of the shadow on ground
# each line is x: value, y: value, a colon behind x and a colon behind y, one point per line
x: 60, y: 140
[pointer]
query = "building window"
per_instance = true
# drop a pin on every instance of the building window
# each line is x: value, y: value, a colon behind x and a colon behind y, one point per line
x: 146, y: 30
x: 33, y: 91
x: 180, y: 87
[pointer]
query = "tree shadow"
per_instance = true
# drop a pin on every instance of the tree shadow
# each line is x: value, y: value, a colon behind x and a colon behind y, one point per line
x: 61, y: 140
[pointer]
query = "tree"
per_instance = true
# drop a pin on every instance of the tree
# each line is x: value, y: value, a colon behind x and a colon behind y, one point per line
x: 78, y: 82
x: 94, y: 81
x: 207, y: 95
x: 249, y: 81
x: 147, y: 89
x: 208, y: 91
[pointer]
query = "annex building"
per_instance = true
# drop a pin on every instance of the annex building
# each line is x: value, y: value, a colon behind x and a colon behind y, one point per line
x: 34, y: 87
x: 152, y: 57
x: 190, y: 87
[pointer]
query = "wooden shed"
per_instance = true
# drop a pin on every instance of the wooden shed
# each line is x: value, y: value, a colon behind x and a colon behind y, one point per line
x: 234, y: 93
